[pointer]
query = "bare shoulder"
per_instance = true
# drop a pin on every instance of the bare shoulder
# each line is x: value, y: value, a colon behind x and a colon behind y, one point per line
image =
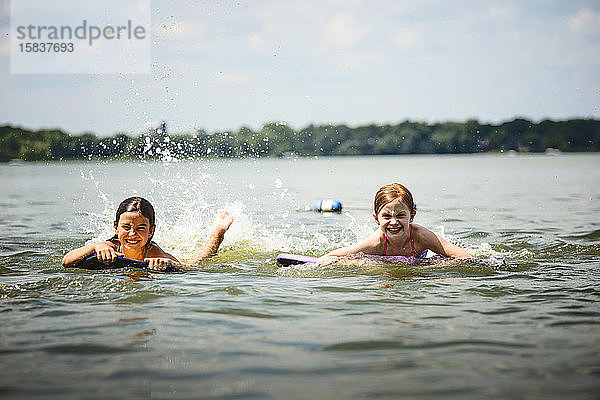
x: 373, y: 242
x: 423, y: 238
x: 422, y: 234
x: 156, y: 252
x: 436, y: 243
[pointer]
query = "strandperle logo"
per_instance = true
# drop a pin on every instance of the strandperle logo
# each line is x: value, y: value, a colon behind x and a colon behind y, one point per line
x: 83, y: 31
x: 73, y: 36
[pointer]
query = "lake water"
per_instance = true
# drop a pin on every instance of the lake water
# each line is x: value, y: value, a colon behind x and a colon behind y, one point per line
x: 243, y: 327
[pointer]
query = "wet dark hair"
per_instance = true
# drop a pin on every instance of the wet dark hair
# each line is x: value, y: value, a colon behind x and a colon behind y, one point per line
x: 140, y: 205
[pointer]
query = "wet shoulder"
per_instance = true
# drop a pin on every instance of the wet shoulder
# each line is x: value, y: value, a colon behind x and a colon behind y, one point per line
x: 155, y: 251
x: 374, y: 243
x: 423, y: 237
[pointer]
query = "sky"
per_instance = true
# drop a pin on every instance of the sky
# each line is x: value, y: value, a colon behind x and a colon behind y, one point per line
x: 221, y: 65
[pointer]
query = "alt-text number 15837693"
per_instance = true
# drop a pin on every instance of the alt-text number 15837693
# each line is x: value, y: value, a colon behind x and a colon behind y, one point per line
x: 46, y: 47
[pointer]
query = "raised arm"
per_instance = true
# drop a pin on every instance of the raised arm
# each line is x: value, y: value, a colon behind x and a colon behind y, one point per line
x: 222, y: 223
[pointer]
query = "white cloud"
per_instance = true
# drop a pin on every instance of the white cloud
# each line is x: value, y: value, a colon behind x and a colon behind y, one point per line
x: 344, y: 30
x: 504, y: 10
x: 233, y: 77
x: 405, y: 38
x: 289, y: 22
x: 257, y: 41
x: 584, y: 20
x: 180, y: 30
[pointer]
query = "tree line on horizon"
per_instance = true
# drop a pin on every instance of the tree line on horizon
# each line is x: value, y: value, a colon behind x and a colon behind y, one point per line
x: 278, y: 139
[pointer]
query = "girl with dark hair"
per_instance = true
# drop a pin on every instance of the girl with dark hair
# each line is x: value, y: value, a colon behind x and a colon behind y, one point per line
x: 394, y: 210
x: 134, y: 229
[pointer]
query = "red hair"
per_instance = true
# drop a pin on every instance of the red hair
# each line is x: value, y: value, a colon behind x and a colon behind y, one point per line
x: 393, y: 192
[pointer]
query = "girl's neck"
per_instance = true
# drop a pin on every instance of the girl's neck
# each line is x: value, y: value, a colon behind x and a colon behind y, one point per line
x: 399, y: 245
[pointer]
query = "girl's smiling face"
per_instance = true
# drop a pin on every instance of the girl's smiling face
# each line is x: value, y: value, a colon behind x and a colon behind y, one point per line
x: 133, y: 230
x: 394, y: 218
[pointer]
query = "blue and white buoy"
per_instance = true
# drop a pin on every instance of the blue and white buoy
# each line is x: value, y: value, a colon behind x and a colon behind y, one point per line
x: 328, y: 205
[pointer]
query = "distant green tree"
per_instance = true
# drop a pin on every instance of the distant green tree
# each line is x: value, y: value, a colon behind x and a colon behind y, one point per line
x: 278, y: 139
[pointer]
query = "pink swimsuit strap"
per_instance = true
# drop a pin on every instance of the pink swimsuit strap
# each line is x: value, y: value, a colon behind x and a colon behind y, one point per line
x: 412, y: 243
x: 384, y: 244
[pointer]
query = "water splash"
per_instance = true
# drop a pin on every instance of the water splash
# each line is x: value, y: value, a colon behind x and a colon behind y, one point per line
x: 187, y: 194
x: 186, y: 198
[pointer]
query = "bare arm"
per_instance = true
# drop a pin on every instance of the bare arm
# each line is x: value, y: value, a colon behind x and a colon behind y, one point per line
x: 160, y: 260
x: 439, y: 245
x: 105, y: 251
x: 370, y: 245
x: 222, y: 223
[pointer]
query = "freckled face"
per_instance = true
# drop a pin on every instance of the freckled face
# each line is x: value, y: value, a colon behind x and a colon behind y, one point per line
x: 394, y: 218
x: 133, y: 230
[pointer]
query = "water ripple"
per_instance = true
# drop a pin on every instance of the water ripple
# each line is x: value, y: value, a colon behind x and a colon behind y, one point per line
x: 85, y: 348
x: 387, y: 344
